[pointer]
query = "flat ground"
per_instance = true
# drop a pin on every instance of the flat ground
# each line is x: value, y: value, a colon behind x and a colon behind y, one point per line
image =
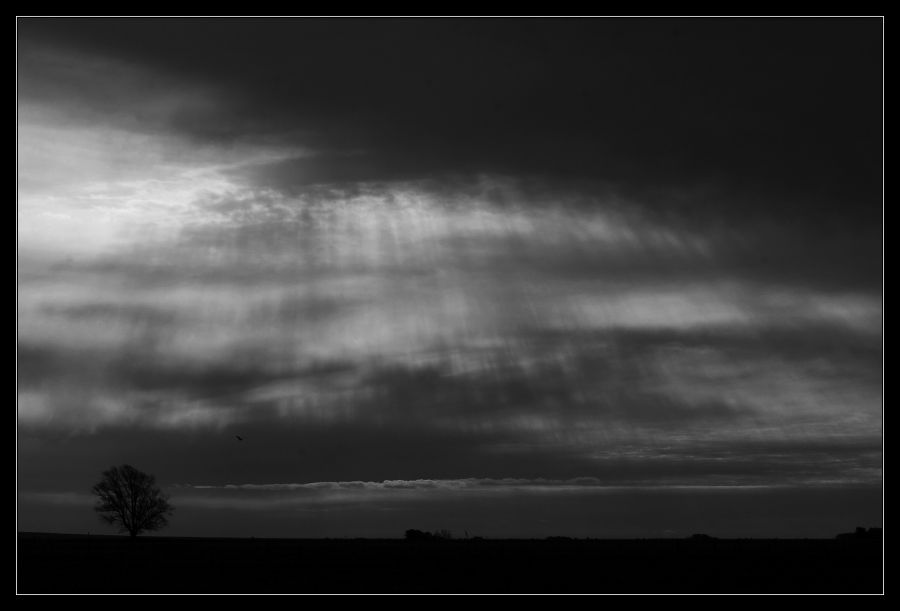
x: 71, y: 563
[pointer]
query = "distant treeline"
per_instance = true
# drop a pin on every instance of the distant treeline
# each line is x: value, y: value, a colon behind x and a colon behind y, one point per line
x: 862, y: 533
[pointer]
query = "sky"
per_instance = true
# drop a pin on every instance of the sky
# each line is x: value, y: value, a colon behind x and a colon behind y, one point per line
x: 506, y: 277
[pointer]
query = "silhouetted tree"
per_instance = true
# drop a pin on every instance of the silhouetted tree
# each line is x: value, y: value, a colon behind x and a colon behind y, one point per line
x: 130, y: 498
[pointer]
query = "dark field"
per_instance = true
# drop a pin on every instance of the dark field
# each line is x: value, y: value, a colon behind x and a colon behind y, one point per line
x: 70, y: 563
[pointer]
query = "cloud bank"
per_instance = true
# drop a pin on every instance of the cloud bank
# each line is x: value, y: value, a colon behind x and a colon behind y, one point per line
x: 386, y: 282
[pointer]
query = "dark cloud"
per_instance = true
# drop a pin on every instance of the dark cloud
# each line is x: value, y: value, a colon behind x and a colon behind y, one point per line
x: 136, y: 314
x: 847, y: 348
x: 760, y: 134
x: 765, y: 105
x: 596, y: 417
x: 139, y: 368
x: 592, y: 388
x: 304, y: 452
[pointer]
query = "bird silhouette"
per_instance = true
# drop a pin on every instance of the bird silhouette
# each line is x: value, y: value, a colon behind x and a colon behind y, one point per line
x: 239, y: 438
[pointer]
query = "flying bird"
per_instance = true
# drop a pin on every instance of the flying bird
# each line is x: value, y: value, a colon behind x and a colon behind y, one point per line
x: 239, y: 438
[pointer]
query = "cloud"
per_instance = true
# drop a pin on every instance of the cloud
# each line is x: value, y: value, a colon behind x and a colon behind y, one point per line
x: 638, y: 101
x: 434, y: 312
x: 468, y: 484
x: 335, y: 495
x: 593, y: 284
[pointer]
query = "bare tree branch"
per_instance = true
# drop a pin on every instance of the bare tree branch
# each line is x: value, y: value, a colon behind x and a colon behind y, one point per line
x: 131, y: 499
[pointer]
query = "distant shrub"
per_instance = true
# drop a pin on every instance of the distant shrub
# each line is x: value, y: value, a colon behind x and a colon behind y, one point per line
x: 701, y: 537
x: 416, y: 535
x: 420, y: 535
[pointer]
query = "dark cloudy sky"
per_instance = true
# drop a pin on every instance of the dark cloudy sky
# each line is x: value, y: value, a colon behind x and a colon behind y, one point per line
x: 591, y: 277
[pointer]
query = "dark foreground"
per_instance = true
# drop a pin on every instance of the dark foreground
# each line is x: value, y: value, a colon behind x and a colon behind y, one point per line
x: 70, y: 563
